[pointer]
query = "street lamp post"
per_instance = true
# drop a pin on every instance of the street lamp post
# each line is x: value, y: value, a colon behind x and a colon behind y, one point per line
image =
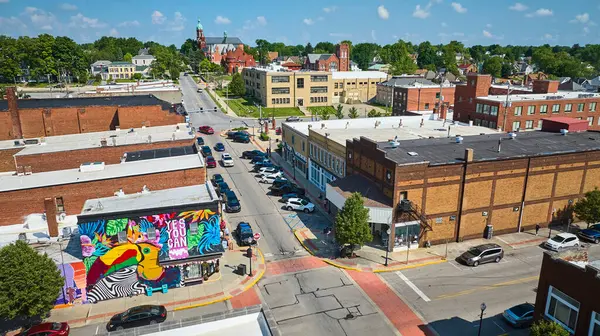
x: 387, y: 248
x: 482, y: 307
x: 249, y: 255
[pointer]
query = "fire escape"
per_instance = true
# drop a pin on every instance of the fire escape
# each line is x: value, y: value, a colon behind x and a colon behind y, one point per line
x: 408, y: 211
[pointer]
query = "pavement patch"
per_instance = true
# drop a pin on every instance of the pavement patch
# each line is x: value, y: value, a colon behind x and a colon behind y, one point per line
x: 294, y: 265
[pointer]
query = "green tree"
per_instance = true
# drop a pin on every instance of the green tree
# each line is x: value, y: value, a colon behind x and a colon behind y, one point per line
x: 137, y: 76
x: 364, y: 53
x: 427, y: 55
x: 339, y: 111
x: 308, y: 49
x: 30, y: 283
x: 263, y: 47
x: 237, y: 86
x: 128, y: 58
x: 205, y: 65
x: 493, y: 66
x: 506, y: 70
x: 352, y: 222
x: 324, y: 113
x: 253, y: 52
x: 588, y: 208
x: 324, y: 48
x: 374, y: 113
x: 9, y: 58
x: 353, y: 113
x: 547, y: 328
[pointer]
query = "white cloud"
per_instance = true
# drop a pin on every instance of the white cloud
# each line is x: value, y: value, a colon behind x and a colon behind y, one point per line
x: 308, y: 22
x: 458, y: 7
x: 68, y: 7
x: 158, y: 17
x: 488, y: 34
x: 81, y: 21
x: 519, y: 7
x: 4, y: 1
x: 547, y: 37
x: 330, y: 9
x: 489, y: 25
x: 421, y: 13
x: 40, y: 18
x: 177, y: 24
x: 222, y: 20
x: 134, y: 23
x: 373, y: 35
x: 458, y: 34
x: 541, y: 12
x: 383, y: 13
x: 46, y: 27
x: 340, y: 35
x: 10, y: 24
x: 114, y: 32
x: 261, y: 20
x: 444, y: 24
x: 581, y: 18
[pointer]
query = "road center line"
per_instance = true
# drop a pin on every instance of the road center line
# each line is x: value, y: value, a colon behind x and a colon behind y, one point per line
x: 413, y: 286
x: 494, y: 286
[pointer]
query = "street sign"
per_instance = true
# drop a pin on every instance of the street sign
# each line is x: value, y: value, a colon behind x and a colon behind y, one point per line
x: 256, y: 236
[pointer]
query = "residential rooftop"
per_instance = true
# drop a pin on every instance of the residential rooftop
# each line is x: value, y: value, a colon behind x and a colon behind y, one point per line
x: 126, y: 169
x: 190, y: 195
x: 125, y: 101
x: 442, y: 151
x: 123, y: 137
x: 560, y: 95
x: 372, y: 196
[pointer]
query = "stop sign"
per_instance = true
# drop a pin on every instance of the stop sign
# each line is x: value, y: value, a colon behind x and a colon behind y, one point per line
x: 256, y: 236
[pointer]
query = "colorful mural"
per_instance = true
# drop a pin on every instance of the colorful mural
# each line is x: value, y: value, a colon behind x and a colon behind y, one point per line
x: 126, y: 268
x: 74, y: 289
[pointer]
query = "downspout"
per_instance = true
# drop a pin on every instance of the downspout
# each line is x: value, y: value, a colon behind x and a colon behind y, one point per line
x: 468, y: 158
x: 523, y: 197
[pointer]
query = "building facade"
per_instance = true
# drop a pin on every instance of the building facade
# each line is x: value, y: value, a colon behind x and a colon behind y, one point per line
x: 340, y: 61
x: 121, y: 70
x: 522, y: 111
x: 226, y: 51
x: 567, y: 290
x: 385, y: 89
x: 295, y: 148
x: 356, y: 86
x: 327, y: 160
x: 417, y: 97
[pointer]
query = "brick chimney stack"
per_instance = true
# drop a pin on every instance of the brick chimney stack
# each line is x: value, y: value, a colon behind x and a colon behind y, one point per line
x: 13, y: 109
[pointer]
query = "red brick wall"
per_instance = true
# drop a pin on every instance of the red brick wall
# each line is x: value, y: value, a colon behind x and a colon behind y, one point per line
x: 74, y: 158
x: 426, y: 99
x: 15, y: 205
x: 139, y: 116
x: 6, y: 132
x: 61, y: 121
x: 32, y: 122
x: 98, y: 118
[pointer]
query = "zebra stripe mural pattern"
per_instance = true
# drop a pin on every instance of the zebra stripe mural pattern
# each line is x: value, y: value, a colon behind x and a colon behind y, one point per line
x: 121, y: 283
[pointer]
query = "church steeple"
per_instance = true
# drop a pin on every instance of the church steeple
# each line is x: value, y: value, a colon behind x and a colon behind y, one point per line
x: 199, y: 25
x: 200, y: 39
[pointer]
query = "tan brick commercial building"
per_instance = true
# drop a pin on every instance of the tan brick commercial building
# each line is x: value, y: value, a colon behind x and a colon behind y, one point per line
x: 67, y: 190
x: 521, y: 111
x: 356, y: 86
x: 457, y: 187
x: 30, y: 118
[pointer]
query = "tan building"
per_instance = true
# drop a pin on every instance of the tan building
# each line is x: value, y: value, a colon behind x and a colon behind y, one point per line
x: 351, y: 87
x: 121, y: 70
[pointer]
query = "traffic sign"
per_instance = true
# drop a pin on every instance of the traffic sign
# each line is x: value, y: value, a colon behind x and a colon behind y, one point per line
x: 256, y: 236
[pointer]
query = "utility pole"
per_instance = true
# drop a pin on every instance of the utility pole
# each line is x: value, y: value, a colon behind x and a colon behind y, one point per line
x: 506, y: 105
x: 441, y: 100
x: 392, y: 102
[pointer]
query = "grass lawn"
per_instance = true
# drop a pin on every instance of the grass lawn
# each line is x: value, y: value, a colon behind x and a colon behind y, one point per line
x: 388, y: 108
x: 245, y: 108
x: 317, y: 110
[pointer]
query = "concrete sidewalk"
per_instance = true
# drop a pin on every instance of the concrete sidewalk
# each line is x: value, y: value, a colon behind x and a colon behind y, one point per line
x: 220, y: 287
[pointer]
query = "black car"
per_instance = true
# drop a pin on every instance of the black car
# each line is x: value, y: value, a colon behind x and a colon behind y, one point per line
x: 232, y: 203
x: 287, y: 189
x: 222, y: 187
x: 278, y: 183
x: 251, y: 154
x: 216, y: 179
x: 259, y: 158
x: 241, y: 138
x: 200, y: 141
x: 292, y: 118
x: 137, y: 317
x: 244, y: 234
x: 206, y: 151
x: 233, y: 134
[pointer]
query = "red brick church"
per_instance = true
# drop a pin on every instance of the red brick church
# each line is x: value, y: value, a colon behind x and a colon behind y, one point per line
x: 227, y: 51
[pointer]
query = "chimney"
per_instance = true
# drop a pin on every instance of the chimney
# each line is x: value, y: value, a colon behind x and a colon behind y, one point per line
x: 444, y: 112
x: 545, y: 86
x: 50, y: 208
x: 469, y: 155
x: 13, y: 109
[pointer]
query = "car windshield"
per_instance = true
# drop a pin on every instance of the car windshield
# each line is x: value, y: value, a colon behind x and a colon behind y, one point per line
x: 558, y: 239
x: 595, y: 227
x: 56, y: 326
x: 304, y: 202
x: 521, y: 309
x: 233, y: 201
x: 475, y: 250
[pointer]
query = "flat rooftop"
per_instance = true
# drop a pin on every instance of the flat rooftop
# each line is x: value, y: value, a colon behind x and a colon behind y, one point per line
x: 485, y: 147
x: 203, y: 193
x: 70, y: 176
x: 127, y: 101
x: 115, y: 138
x: 358, y: 74
x: 560, y: 95
x: 411, y: 129
x: 372, y: 195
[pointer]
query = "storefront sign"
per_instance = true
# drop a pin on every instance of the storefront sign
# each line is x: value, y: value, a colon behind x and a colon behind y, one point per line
x: 177, y: 239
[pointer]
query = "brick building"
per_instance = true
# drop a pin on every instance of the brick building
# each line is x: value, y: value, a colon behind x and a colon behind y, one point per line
x: 568, y: 292
x: 459, y: 186
x: 65, y: 191
x: 70, y: 151
x: 30, y: 118
x: 418, y: 97
x: 521, y: 110
x: 235, y: 60
x: 340, y: 61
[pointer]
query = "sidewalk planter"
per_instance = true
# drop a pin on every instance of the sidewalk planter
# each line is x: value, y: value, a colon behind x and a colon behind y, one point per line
x: 264, y: 137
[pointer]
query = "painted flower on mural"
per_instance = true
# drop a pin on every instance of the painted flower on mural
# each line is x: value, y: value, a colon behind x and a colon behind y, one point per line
x: 102, y: 239
x: 196, y: 215
x: 160, y: 220
x: 211, y: 236
x: 87, y: 248
x: 114, y: 226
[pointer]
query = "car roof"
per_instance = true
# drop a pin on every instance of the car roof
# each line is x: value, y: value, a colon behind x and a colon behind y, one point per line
x: 225, y: 154
x: 218, y: 143
x: 297, y: 199
x: 566, y: 235
x: 229, y: 193
x: 487, y: 246
x: 210, y: 157
x: 40, y: 327
x: 217, y: 176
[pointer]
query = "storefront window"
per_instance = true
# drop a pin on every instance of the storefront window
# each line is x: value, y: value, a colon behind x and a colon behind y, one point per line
x: 407, y: 235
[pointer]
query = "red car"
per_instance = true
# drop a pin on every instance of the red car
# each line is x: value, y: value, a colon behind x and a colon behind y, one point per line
x: 278, y: 131
x: 206, y: 130
x: 48, y: 329
x: 211, y: 162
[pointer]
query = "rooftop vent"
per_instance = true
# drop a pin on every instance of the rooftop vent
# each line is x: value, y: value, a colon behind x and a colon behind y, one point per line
x: 120, y: 193
x: 91, y: 167
x: 564, y: 131
x: 512, y: 135
x: 145, y: 189
x: 413, y: 153
x: 103, y: 142
x: 18, y: 143
x: 459, y: 139
x: 394, y: 143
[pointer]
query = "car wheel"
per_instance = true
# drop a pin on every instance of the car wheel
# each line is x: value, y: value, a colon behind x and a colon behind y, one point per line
x: 306, y: 210
x: 475, y: 264
x: 497, y: 259
x: 576, y: 244
x: 597, y: 240
x: 119, y: 328
x: 152, y: 322
x: 290, y: 208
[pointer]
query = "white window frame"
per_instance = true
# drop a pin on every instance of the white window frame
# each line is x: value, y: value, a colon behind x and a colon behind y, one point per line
x: 594, y: 323
x: 518, y: 110
x: 549, y: 298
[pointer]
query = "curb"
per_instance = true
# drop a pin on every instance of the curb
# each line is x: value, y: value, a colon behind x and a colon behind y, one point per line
x: 394, y: 269
x: 302, y: 243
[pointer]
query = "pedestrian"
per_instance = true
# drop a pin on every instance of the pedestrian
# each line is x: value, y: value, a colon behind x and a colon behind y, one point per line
x: 537, y: 229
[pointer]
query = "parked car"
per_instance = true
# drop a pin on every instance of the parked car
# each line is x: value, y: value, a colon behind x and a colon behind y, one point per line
x: 211, y: 162
x: 562, y: 241
x: 206, y: 130
x: 222, y: 187
x: 219, y: 147
x: 241, y: 138
x: 299, y: 204
x: 244, y: 234
x: 199, y: 90
x: 591, y: 234
x: 232, y: 134
x: 278, y: 131
x: 275, y: 175
x: 292, y: 118
x: 286, y: 197
x: 482, y: 254
x: 227, y: 160
x: 252, y: 153
x: 232, y: 203
x: 258, y: 159
x: 519, y: 316
x: 286, y: 189
x: 269, y: 179
x: 137, y: 317
x: 280, y: 182
x: 200, y: 141
x: 269, y: 170
x: 262, y: 165
x: 216, y: 179
x: 206, y: 151
x: 48, y: 329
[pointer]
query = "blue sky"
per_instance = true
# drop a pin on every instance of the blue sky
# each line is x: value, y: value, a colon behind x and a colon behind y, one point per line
x: 298, y: 22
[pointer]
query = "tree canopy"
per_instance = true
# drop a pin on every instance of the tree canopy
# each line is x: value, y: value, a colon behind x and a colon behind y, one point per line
x: 237, y: 87
x: 588, y: 208
x: 352, y: 222
x: 547, y: 328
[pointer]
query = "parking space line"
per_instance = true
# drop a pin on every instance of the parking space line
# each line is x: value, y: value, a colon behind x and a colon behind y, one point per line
x: 484, y: 288
x: 413, y: 286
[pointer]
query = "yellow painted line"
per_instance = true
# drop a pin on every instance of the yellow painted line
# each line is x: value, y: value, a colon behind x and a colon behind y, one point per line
x: 302, y: 243
x: 261, y: 273
x: 327, y: 261
x: 400, y: 268
x: 495, y: 286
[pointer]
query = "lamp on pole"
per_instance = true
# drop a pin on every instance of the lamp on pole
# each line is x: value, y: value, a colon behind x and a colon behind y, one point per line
x: 249, y: 255
x: 482, y: 307
x: 387, y: 248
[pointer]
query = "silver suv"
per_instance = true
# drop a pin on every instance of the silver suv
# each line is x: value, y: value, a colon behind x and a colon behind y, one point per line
x: 482, y: 254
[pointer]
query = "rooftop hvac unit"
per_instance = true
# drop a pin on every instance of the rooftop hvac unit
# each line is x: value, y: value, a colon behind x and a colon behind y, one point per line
x: 103, y: 142
x: 194, y: 228
x: 91, y: 167
x: 23, y: 236
x: 66, y: 232
x: 405, y: 205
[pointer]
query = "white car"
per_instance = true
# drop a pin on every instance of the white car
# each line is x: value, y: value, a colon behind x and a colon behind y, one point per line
x: 268, y: 170
x: 276, y: 175
x: 299, y: 204
x: 270, y: 178
x: 227, y: 160
x: 562, y: 241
